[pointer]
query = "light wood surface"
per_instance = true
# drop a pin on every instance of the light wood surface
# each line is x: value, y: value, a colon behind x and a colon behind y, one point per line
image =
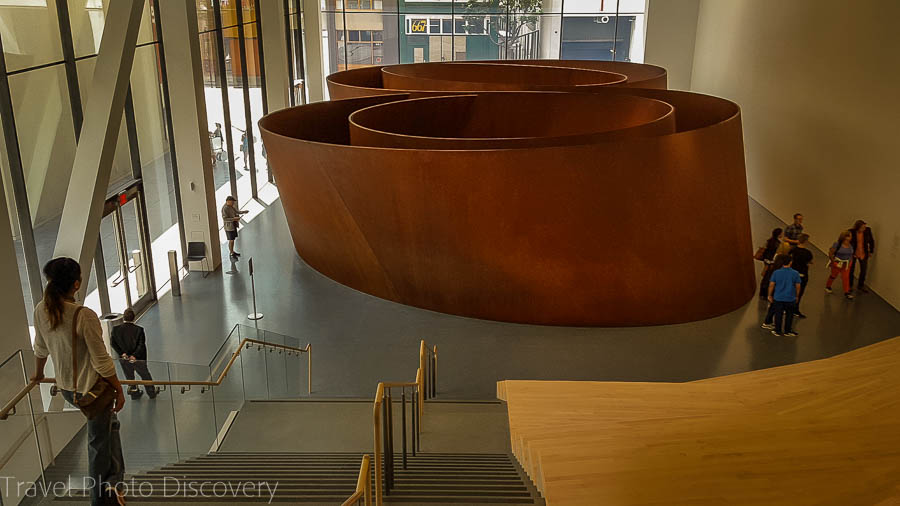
x: 825, y: 432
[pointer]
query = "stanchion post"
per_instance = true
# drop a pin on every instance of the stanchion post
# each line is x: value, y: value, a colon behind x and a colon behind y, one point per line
x: 254, y: 315
x: 174, y: 281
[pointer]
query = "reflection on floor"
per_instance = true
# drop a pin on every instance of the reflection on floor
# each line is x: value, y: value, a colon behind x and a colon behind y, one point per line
x: 360, y: 340
x: 821, y: 432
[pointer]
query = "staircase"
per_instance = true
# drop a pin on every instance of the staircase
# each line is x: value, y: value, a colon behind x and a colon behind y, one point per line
x: 329, y: 478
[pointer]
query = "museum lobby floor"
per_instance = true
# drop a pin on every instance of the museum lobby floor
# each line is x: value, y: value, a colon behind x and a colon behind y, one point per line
x: 358, y: 339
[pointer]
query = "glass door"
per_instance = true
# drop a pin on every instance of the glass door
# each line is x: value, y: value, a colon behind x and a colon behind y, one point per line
x: 136, y: 263
x: 125, y: 251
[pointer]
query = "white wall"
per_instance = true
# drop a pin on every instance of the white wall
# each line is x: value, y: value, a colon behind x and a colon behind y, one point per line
x: 817, y: 82
x: 671, y: 30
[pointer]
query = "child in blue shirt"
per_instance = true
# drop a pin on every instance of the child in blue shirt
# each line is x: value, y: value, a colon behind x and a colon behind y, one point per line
x: 784, y: 287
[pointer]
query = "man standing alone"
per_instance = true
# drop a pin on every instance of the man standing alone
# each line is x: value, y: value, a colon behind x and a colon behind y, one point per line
x: 231, y: 217
x: 129, y: 342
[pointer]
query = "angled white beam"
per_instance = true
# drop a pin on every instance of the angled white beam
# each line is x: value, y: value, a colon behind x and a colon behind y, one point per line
x: 83, y: 208
x: 189, y: 124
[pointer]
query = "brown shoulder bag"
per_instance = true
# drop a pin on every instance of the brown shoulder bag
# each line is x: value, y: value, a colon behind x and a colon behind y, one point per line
x: 101, y: 395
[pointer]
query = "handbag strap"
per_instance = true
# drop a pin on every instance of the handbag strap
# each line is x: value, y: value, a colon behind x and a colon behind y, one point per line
x: 74, y: 354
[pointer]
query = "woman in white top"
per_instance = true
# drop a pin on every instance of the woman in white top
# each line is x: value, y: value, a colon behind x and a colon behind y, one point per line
x: 53, y: 321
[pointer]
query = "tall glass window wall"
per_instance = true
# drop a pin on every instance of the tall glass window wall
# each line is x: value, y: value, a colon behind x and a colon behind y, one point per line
x: 294, y: 35
x: 358, y: 33
x: 50, y: 49
x: 233, y: 82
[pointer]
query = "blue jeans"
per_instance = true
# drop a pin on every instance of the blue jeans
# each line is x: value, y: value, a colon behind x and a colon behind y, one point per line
x: 779, y: 310
x: 106, y: 466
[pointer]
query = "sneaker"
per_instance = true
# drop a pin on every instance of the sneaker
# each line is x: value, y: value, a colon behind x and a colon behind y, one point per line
x: 776, y: 333
x: 799, y: 315
x: 791, y: 334
x: 768, y: 326
x: 828, y: 290
x: 863, y: 289
x: 849, y: 296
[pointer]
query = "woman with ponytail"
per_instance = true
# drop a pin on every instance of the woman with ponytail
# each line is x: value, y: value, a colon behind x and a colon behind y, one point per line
x: 81, y: 362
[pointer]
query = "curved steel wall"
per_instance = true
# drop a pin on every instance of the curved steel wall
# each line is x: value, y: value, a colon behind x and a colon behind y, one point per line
x: 648, y: 227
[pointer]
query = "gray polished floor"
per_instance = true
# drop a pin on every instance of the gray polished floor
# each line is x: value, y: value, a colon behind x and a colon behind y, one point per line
x: 358, y: 339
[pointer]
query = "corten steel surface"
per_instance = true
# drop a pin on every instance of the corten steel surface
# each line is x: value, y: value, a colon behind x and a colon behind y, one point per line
x: 507, y: 120
x: 651, y: 228
x: 473, y: 77
x: 368, y: 81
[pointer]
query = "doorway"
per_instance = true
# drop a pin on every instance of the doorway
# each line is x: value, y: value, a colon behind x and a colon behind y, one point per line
x: 124, y: 250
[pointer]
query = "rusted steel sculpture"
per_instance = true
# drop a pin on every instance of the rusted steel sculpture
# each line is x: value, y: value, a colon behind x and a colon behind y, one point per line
x: 584, y: 193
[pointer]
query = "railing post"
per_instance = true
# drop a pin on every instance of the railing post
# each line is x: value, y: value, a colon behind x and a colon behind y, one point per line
x: 412, y: 403
x: 309, y: 369
x: 433, y: 376
x: 403, y: 423
x: 385, y: 459
x: 434, y: 372
x: 390, y: 428
x: 37, y: 439
x: 427, y: 373
x: 379, y: 472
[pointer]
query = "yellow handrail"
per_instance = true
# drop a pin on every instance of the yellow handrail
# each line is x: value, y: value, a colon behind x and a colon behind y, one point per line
x: 363, y: 484
x: 9, y: 406
x: 419, y: 384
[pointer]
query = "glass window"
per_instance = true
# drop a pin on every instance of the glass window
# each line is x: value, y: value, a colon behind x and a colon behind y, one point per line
x: 47, y: 145
x: 365, y: 35
x: 296, y: 43
x: 353, y: 34
x: 446, y: 26
x: 30, y: 34
x: 87, y: 19
x: 121, y: 169
x: 352, y: 4
x: 206, y: 17
x: 232, y: 48
x: 147, y: 29
x: 254, y: 73
x: 434, y: 26
x: 215, y: 111
x: 156, y: 162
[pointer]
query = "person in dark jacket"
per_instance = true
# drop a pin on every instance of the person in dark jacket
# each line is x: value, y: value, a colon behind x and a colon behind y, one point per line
x: 863, y: 245
x: 771, y: 248
x: 129, y: 342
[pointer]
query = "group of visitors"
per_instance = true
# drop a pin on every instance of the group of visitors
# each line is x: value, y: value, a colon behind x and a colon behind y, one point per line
x: 786, y: 258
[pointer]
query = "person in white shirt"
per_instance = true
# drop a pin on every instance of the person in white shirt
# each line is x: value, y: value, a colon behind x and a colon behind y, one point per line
x: 54, y: 318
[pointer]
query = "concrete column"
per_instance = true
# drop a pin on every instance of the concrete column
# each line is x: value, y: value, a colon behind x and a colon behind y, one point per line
x: 271, y: 22
x: 83, y: 208
x: 195, y: 172
x: 312, y: 41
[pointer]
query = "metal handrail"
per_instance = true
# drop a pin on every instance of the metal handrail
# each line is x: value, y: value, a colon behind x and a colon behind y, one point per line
x: 363, y: 484
x: 10, y: 406
x: 382, y: 430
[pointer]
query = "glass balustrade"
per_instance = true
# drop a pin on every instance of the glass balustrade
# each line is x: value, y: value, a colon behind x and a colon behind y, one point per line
x: 183, y: 419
